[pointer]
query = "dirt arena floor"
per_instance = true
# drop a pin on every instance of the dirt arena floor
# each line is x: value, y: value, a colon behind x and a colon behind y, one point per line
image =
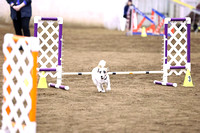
x: 134, y: 104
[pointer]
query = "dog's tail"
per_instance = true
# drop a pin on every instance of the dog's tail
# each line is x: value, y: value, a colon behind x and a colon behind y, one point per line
x: 102, y: 64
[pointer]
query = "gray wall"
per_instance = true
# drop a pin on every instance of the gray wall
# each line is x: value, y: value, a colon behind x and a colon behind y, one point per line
x: 166, y: 7
x: 106, y: 13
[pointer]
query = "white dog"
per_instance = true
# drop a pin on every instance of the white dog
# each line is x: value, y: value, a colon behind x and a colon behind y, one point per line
x: 100, y: 76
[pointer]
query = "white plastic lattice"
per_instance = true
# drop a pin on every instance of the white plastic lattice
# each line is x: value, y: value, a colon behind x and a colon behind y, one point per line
x: 48, y: 36
x: 177, y: 46
x: 20, y: 82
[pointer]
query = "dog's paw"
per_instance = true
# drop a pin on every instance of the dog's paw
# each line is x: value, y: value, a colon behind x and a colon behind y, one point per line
x: 108, y: 89
x: 101, y: 91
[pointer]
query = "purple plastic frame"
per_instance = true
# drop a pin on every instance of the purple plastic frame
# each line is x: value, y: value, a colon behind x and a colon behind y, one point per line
x: 60, y: 86
x: 177, y: 67
x: 59, y: 41
x: 47, y: 69
x: 49, y: 19
x: 188, y: 42
x: 160, y: 83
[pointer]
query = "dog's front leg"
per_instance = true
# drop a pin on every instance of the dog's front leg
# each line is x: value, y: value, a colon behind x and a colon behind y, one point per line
x: 108, y: 86
x: 103, y: 90
x: 99, y: 88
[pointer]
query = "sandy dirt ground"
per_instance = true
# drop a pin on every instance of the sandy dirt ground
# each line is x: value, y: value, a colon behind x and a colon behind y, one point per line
x: 134, y: 104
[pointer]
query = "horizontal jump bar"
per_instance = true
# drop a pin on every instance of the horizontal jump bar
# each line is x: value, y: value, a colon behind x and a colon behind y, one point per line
x: 52, y: 19
x: 47, y: 69
x: 114, y: 73
x: 136, y: 72
x: 77, y: 73
x: 177, y: 67
x: 178, y: 19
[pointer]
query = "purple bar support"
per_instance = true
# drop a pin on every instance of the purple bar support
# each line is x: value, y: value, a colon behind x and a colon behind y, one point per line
x: 59, y: 86
x: 188, y: 43
x: 167, y: 84
x: 47, y: 69
x: 158, y: 83
x: 50, y: 19
x: 60, y: 44
x: 166, y: 36
x: 35, y: 29
x: 62, y: 87
x: 52, y: 85
x: 178, y: 19
x: 177, y: 67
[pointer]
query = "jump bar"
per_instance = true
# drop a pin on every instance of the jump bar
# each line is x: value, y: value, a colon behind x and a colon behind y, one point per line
x: 178, y: 19
x: 114, y: 73
x: 49, y: 18
x: 136, y: 72
x: 47, y: 69
x: 177, y: 67
x: 77, y: 73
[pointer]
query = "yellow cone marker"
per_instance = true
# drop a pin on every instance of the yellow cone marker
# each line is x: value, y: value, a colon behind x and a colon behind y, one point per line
x: 144, y: 34
x: 42, y: 82
x: 188, y: 80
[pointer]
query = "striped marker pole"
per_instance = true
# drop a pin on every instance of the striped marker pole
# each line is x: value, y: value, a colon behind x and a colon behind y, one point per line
x: 135, y: 72
x: 77, y: 73
x: 115, y: 73
x: 59, y: 86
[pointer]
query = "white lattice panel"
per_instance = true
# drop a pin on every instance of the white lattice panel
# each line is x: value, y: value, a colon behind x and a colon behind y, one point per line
x: 18, y: 100
x: 177, y: 46
x: 48, y: 32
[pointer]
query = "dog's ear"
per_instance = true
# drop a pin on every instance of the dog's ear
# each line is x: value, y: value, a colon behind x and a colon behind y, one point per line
x: 99, y: 66
x: 107, y: 69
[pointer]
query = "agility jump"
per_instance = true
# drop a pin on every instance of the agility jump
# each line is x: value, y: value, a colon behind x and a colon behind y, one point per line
x: 135, y: 29
x: 176, y: 48
x: 175, y: 58
x: 49, y: 31
x: 20, y: 84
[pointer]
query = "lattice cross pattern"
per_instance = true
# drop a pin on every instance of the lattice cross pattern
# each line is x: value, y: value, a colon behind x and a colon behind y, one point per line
x: 18, y: 100
x: 48, y: 46
x: 177, y: 46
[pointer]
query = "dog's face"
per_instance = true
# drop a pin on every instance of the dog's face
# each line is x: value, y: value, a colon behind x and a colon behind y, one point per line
x: 103, y: 72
